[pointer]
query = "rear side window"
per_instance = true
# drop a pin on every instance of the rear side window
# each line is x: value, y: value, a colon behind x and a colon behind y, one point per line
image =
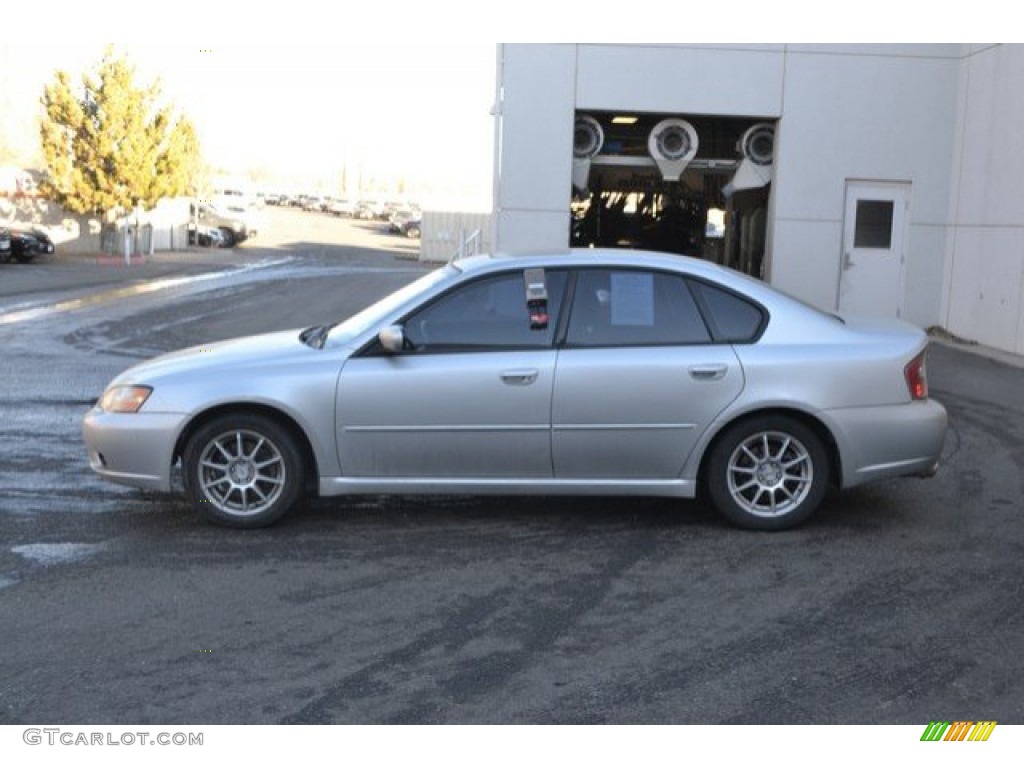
x: 734, y: 319
x: 633, y: 308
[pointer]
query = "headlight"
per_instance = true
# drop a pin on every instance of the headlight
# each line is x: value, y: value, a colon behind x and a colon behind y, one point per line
x: 124, y: 399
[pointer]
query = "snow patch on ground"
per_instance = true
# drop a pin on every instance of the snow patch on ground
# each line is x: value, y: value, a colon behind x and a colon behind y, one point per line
x: 7, y: 580
x: 56, y: 554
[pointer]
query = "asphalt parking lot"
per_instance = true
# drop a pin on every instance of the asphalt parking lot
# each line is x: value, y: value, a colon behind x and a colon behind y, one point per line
x: 898, y: 603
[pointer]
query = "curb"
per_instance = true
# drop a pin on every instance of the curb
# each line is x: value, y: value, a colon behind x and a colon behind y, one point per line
x: 118, y: 261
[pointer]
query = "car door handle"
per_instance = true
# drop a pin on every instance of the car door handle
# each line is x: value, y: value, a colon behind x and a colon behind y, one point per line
x: 708, y: 372
x: 520, y: 377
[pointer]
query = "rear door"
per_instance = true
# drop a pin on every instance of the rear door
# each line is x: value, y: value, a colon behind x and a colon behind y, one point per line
x: 639, y: 377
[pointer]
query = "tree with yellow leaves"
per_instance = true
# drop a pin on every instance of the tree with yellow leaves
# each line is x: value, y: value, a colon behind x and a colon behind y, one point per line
x: 110, y: 145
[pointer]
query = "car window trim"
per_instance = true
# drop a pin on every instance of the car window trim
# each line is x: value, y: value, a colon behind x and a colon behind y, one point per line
x: 568, y: 297
x: 563, y: 342
x: 709, y: 317
x: 372, y: 348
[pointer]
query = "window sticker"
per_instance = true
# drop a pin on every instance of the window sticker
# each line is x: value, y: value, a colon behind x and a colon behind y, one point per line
x: 632, y: 298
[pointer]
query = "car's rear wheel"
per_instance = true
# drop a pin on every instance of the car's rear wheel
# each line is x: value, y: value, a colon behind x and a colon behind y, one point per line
x: 768, y: 473
x: 228, y: 237
x: 242, y: 471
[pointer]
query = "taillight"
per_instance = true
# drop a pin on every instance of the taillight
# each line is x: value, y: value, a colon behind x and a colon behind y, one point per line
x: 917, y: 378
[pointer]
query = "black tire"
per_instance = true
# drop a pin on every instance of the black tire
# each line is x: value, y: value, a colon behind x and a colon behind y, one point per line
x: 768, y: 473
x: 412, y: 232
x: 243, y: 471
x: 229, y: 237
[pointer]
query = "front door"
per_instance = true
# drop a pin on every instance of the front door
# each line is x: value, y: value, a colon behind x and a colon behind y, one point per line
x: 471, y: 398
x: 458, y: 415
x: 871, y: 275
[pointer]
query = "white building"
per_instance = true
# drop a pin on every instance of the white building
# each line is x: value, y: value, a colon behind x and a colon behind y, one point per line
x: 891, y: 185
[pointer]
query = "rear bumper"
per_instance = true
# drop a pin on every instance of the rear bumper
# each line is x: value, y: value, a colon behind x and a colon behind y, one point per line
x: 889, y: 441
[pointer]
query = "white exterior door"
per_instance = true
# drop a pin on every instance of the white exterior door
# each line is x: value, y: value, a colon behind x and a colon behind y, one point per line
x: 874, y: 233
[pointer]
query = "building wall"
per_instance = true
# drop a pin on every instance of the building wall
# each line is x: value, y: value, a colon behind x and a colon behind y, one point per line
x: 944, y: 118
x: 985, y: 256
x: 543, y: 85
x: 863, y: 113
x: 534, y: 147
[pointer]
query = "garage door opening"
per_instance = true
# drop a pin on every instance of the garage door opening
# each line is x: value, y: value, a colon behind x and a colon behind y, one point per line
x: 694, y: 185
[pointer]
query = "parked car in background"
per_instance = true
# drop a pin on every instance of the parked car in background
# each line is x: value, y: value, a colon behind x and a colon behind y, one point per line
x: 206, y: 236
x: 412, y: 228
x: 595, y: 372
x: 369, y: 210
x: 28, y: 244
x: 341, y: 207
x: 406, y: 222
x: 5, y: 244
x: 237, y: 223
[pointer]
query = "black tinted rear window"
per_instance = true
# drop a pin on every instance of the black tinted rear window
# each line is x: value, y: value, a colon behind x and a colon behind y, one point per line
x: 735, y: 319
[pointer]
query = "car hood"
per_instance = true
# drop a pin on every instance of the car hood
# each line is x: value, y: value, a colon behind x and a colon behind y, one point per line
x: 281, y: 348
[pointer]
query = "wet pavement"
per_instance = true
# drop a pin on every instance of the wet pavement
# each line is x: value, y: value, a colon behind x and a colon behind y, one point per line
x: 898, y: 603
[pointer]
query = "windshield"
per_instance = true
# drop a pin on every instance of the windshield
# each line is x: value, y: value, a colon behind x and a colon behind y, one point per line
x: 368, y: 318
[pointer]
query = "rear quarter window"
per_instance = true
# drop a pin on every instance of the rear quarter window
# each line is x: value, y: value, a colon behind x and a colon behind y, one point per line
x: 732, y: 317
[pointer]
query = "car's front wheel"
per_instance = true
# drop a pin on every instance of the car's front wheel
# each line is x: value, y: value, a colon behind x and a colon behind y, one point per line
x: 242, y: 471
x: 227, y: 238
x: 768, y: 473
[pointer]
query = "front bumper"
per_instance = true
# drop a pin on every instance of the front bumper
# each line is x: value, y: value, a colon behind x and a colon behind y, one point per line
x: 132, y: 448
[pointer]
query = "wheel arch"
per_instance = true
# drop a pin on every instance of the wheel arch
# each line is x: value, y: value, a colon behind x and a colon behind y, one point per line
x: 808, y: 420
x: 312, y: 471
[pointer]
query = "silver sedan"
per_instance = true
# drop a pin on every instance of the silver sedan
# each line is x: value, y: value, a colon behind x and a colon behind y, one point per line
x: 598, y: 372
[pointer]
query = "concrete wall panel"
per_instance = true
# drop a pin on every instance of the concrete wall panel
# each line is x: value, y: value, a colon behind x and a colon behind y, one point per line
x: 683, y: 79
x: 987, y: 276
x: 805, y: 262
x: 526, y: 232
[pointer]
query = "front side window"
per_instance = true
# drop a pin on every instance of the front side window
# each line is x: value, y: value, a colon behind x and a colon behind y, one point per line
x: 490, y: 313
x: 633, y: 308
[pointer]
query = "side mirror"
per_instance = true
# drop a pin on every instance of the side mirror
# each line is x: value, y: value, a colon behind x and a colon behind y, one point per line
x: 392, y: 338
